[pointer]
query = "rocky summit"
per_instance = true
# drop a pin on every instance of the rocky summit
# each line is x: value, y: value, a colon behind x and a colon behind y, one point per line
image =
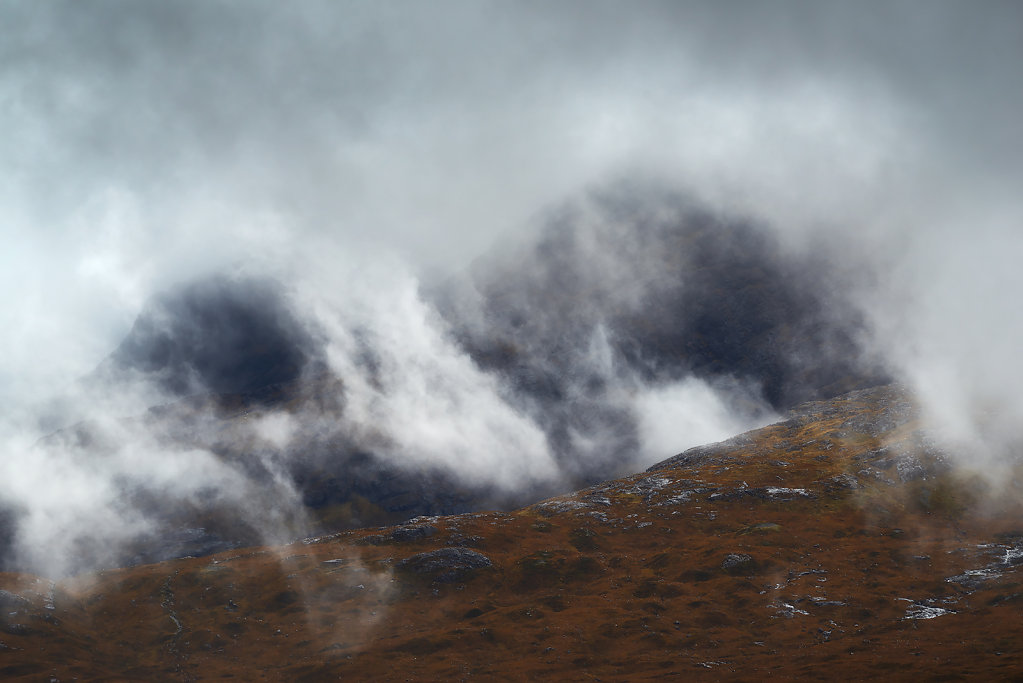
x: 841, y: 542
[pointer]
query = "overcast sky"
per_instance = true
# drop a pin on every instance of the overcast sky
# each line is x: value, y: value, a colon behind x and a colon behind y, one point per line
x: 145, y: 143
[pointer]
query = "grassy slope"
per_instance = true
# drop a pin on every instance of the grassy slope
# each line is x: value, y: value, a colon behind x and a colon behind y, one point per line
x: 627, y: 580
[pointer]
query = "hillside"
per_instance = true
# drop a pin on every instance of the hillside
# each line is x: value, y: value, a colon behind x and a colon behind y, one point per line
x: 838, y: 542
x: 629, y: 321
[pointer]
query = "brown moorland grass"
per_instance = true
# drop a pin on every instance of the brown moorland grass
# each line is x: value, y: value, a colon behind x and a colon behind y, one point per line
x: 837, y: 544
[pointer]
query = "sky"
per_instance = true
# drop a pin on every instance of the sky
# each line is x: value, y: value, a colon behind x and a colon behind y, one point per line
x: 146, y: 144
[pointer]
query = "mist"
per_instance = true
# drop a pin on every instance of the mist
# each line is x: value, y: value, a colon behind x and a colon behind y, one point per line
x: 472, y: 227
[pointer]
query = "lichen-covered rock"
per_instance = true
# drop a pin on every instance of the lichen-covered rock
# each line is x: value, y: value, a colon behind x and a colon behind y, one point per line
x: 739, y: 563
x: 411, y: 534
x: 401, y: 534
x: 447, y: 564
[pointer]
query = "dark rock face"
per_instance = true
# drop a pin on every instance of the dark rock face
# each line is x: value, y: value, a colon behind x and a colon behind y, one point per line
x: 646, y: 284
x: 447, y: 564
x: 680, y: 290
x: 219, y: 335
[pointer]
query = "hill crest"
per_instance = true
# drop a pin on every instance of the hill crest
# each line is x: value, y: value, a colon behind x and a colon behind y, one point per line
x: 839, y: 538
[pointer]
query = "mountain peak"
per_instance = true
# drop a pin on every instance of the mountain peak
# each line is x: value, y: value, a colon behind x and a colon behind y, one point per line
x: 218, y: 334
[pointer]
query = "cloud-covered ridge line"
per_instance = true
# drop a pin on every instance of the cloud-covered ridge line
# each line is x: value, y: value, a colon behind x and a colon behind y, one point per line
x: 871, y: 156
x: 636, y: 325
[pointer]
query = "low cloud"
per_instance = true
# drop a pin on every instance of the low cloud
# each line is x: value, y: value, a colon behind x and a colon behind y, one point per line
x: 83, y: 498
x: 686, y: 414
x: 860, y: 168
x: 411, y: 393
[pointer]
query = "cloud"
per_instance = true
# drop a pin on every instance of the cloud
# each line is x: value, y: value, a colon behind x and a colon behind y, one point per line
x: 410, y: 392
x: 84, y: 498
x: 150, y: 145
x: 684, y: 414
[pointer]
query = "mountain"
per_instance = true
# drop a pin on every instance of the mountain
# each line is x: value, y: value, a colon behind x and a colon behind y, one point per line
x: 621, y: 294
x: 320, y: 480
x: 635, y: 286
x: 839, y: 542
x: 215, y: 335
